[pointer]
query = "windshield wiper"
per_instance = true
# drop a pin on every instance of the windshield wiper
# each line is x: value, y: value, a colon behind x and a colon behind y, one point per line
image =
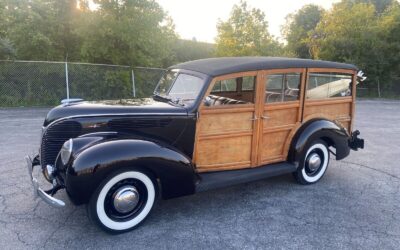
x: 173, y: 101
x: 158, y: 97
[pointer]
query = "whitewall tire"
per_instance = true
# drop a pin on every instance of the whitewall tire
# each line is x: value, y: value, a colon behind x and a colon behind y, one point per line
x: 313, y: 163
x: 122, y: 201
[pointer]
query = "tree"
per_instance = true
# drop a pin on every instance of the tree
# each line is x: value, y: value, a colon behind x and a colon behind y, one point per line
x: 299, y: 27
x: 42, y: 29
x: 186, y: 50
x: 380, y: 5
x: 355, y: 33
x: 245, y: 33
x: 7, y: 51
x: 131, y: 32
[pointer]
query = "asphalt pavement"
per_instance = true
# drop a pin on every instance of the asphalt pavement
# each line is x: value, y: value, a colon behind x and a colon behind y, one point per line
x: 355, y: 206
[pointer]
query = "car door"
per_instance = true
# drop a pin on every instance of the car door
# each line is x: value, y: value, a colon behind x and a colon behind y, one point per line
x: 281, y: 112
x: 227, y: 126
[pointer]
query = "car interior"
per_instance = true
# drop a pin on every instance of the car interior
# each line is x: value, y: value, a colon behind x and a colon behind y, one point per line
x: 240, y: 90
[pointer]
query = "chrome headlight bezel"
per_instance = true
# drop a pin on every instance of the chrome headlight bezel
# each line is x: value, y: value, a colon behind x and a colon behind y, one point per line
x: 66, y: 152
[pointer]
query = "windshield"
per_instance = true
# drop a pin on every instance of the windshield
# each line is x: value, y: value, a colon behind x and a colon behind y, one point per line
x: 179, y: 87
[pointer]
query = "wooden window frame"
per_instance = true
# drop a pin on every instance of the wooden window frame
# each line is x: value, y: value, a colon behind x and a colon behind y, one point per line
x: 226, y: 77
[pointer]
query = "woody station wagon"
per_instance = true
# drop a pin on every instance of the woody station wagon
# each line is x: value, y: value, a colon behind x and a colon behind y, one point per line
x: 211, y: 123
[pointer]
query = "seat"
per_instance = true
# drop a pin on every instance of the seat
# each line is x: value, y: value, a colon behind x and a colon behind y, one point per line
x: 221, y: 100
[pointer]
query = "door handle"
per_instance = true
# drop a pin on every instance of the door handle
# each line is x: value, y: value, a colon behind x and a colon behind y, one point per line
x: 254, y: 118
x: 265, y: 117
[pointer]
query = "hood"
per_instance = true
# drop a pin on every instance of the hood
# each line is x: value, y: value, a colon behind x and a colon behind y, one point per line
x: 145, y: 106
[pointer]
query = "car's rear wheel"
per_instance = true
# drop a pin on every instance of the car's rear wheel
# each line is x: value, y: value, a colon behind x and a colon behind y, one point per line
x: 122, y: 201
x: 313, y: 163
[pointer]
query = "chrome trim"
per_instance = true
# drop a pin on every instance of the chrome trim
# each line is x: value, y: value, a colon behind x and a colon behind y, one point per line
x: 119, y: 114
x: 49, y: 172
x: 314, y: 162
x: 125, y: 199
x: 37, y: 191
x: 65, y: 102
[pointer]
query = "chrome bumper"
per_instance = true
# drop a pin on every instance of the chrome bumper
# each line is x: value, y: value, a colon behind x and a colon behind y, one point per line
x: 37, y: 191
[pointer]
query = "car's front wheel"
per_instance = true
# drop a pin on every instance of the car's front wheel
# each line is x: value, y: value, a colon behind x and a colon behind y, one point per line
x: 313, y: 163
x: 122, y: 201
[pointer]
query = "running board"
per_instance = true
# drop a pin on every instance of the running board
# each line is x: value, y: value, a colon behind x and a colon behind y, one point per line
x: 226, y: 178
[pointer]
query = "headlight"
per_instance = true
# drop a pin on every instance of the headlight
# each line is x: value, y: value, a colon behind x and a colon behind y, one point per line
x: 66, y: 152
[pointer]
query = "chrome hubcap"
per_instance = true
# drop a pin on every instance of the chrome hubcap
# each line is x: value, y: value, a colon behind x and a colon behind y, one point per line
x: 314, y: 162
x: 125, y: 199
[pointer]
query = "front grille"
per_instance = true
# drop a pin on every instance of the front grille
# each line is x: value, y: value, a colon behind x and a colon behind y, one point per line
x: 54, y: 137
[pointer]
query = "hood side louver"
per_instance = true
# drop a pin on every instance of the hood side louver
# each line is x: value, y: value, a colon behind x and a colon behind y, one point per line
x: 134, y: 124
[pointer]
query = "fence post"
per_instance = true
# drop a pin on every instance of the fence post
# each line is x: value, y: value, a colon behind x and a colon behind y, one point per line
x: 66, y: 79
x: 379, y: 88
x: 133, y: 84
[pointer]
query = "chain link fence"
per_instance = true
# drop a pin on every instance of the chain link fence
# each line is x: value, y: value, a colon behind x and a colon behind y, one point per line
x: 376, y: 88
x: 36, y: 83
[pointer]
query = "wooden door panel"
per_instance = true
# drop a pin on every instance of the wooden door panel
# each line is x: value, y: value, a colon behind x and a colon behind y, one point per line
x: 274, y: 145
x: 224, y: 153
x: 220, y: 123
x: 224, y: 139
x: 280, y: 117
x: 281, y: 120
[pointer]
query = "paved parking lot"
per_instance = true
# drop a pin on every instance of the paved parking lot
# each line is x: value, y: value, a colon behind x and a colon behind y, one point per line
x: 356, y: 204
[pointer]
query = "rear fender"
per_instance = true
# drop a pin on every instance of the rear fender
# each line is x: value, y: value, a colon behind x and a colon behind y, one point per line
x: 333, y: 134
x: 93, y: 164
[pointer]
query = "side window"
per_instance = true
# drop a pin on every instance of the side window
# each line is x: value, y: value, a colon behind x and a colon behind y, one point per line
x: 282, y: 87
x: 239, y: 90
x: 217, y: 87
x: 229, y: 85
x: 248, y: 83
x: 328, y: 85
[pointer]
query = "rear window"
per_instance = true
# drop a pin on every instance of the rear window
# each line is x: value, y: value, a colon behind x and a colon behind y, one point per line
x: 328, y: 85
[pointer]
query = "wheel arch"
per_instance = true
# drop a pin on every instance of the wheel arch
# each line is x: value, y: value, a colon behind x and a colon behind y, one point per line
x: 319, y: 128
x: 168, y: 167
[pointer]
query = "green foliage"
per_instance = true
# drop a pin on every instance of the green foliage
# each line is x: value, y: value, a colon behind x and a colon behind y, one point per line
x: 357, y: 33
x: 42, y: 29
x: 299, y: 27
x: 362, y: 32
x: 7, y: 51
x: 186, y: 50
x: 245, y: 33
x: 130, y: 32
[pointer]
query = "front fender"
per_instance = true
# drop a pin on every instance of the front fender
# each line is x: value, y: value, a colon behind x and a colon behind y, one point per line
x: 93, y: 164
x: 332, y: 133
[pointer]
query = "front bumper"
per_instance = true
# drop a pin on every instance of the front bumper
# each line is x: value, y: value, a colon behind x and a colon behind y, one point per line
x: 38, y: 192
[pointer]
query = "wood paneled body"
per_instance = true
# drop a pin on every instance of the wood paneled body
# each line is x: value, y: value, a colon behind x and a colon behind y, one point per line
x: 276, y: 133
x: 278, y: 122
x: 339, y: 110
x: 226, y: 135
x: 224, y: 138
x: 250, y: 135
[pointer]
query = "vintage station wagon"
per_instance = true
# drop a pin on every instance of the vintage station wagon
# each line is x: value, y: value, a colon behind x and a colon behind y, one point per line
x: 211, y: 123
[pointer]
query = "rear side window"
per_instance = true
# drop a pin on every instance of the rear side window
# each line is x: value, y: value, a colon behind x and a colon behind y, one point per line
x: 282, y: 87
x: 328, y: 85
